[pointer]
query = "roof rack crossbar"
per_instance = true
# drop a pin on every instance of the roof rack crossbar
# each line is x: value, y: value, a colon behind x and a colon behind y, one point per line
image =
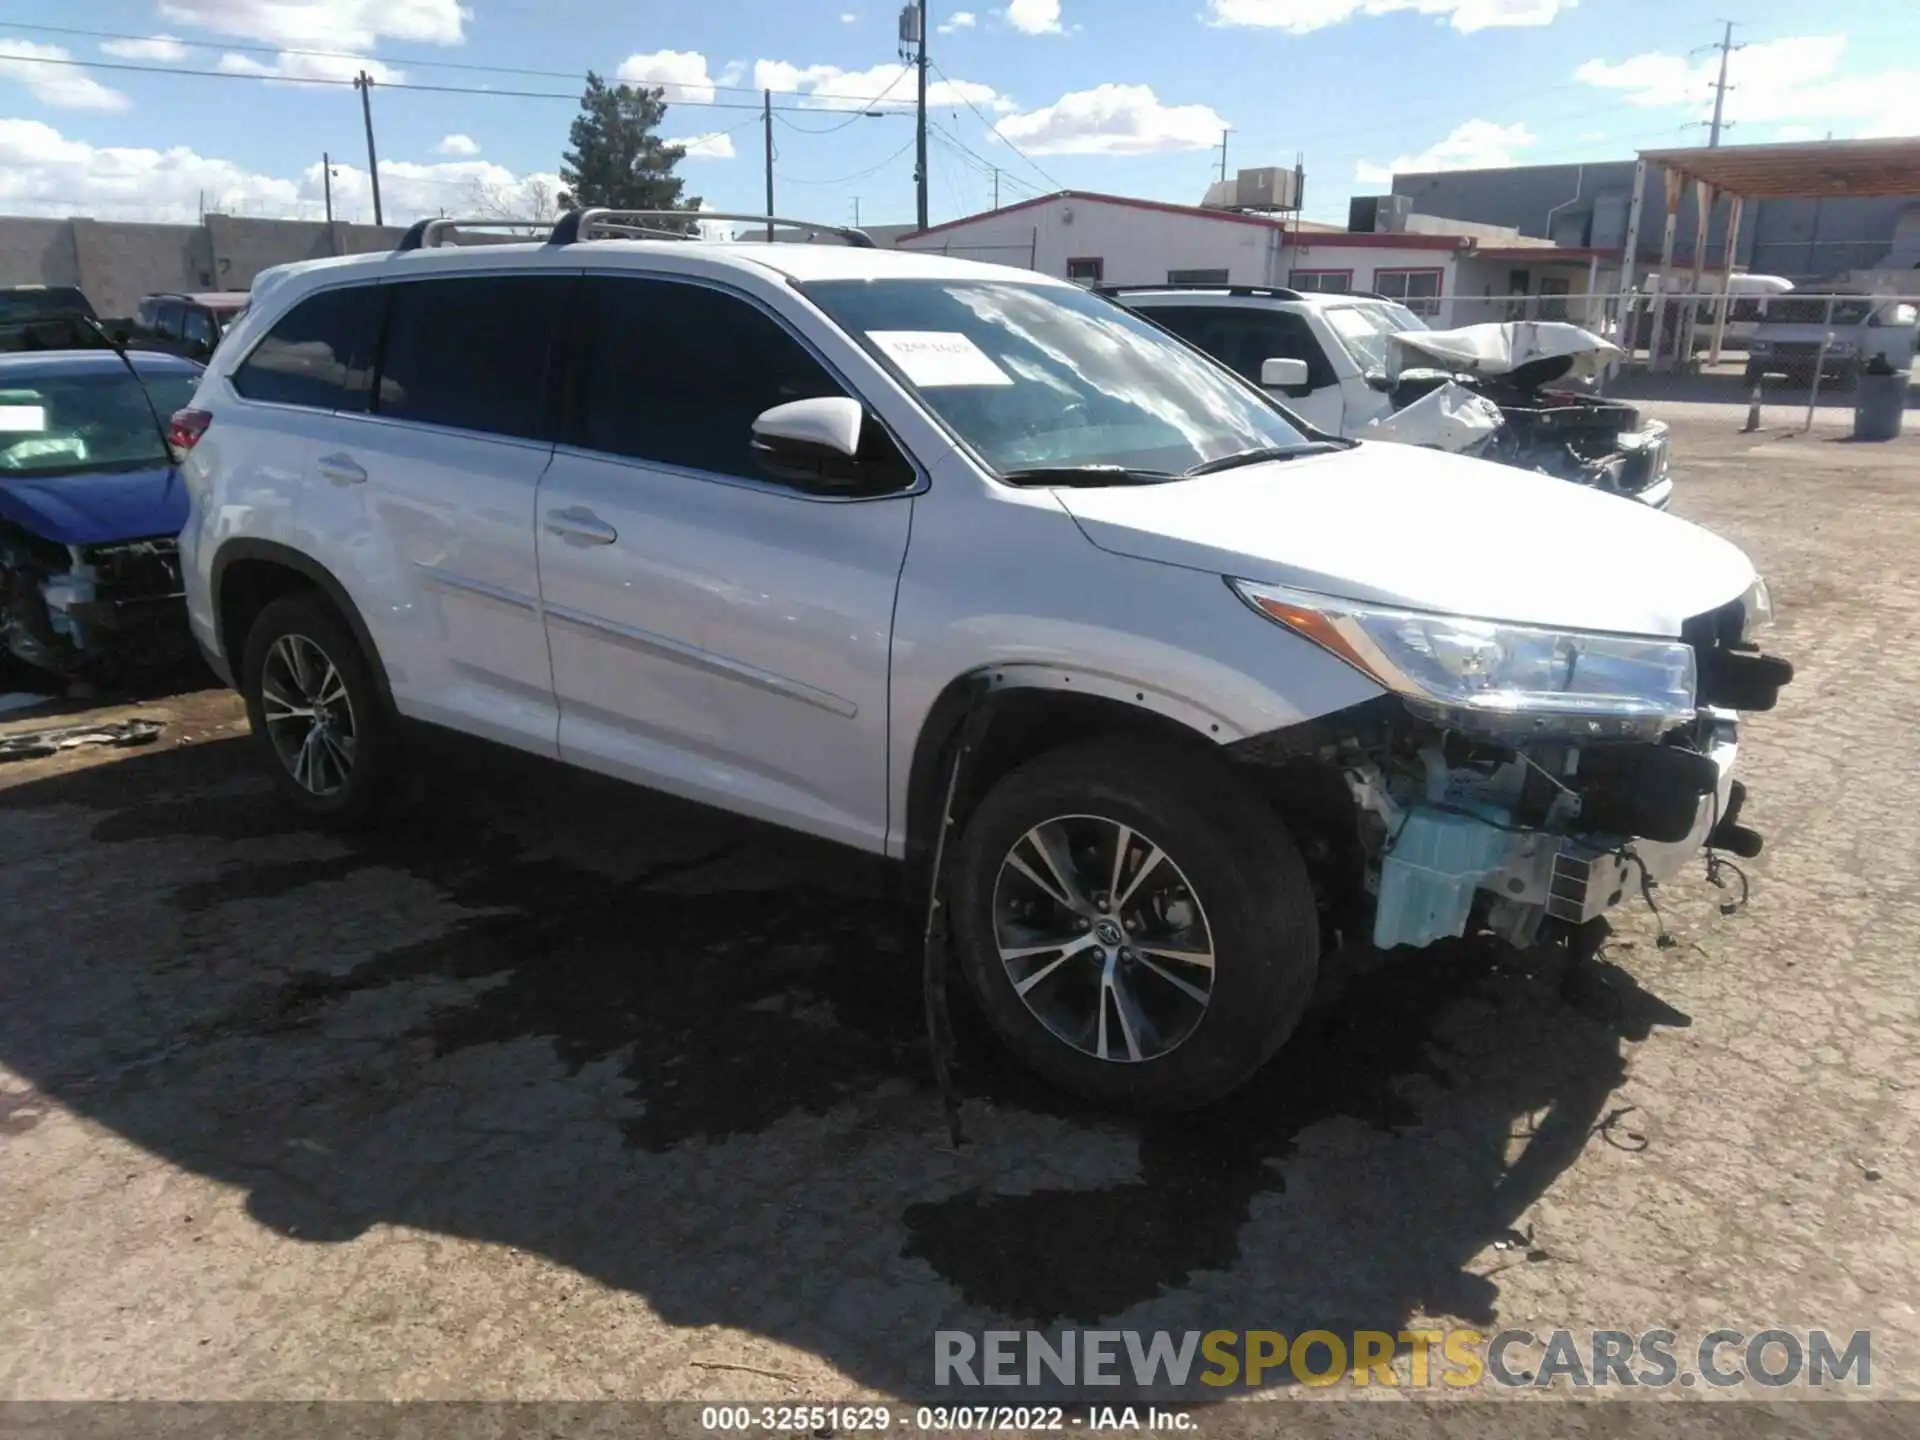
x: 1269, y: 292
x: 593, y: 224
x: 426, y: 234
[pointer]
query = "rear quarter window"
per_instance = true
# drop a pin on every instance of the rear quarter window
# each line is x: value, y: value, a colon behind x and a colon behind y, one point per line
x: 314, y: 354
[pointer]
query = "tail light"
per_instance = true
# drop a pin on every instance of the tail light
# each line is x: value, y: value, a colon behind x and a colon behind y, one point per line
x: 185, y: 429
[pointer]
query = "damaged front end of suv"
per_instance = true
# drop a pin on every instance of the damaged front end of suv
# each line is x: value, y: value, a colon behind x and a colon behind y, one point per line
x: 1515, y: 780
x: 1531, y: 371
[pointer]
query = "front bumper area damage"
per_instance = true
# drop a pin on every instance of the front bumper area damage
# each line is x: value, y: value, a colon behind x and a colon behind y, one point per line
x: 85, y: 610
x: 1417, y: 831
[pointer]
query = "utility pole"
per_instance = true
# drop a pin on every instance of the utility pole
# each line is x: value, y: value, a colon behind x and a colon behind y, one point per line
x: 363, y: 82
x: 1726, y: 47
x: 913, y: 33
x: 766, y: 117
x: 326, y: 181
x: 856, y: 212
x: 1223, y: 154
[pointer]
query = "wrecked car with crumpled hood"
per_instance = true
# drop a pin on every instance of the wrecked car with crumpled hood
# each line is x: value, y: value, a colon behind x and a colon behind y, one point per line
x: 91, y: 507
x: 1532, y: 372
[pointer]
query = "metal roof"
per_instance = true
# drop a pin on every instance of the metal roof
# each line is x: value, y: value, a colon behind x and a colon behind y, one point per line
x: 1816, y: 168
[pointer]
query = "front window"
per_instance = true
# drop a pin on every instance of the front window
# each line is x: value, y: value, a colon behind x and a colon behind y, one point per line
x: 1363, y: 331
x: 63, y: 424
x: 1033, y: 376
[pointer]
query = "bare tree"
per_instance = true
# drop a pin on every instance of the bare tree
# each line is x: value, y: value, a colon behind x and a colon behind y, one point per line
x: 532, y: 199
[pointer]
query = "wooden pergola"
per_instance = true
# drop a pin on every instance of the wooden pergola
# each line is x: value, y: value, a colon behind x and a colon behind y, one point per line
x: 1756, y: 172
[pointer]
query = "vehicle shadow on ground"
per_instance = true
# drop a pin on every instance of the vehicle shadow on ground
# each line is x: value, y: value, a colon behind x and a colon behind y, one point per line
x: 684, y: 1056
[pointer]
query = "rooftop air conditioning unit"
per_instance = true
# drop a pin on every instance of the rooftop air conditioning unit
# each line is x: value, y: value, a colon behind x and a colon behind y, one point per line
x: 1268, y: 188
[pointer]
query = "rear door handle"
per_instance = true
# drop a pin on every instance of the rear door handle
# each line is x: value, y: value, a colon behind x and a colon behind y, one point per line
x: 342, y: 470
x: 579, y: 526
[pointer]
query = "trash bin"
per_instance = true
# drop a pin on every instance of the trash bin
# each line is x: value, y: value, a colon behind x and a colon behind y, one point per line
x: 1879, y: 402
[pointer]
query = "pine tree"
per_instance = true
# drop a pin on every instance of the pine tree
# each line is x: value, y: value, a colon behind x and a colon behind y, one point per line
x: 616, y: 159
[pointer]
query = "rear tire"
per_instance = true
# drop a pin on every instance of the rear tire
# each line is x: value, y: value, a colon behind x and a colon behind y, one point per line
x: 1168, y: 858
x: 317, y: 716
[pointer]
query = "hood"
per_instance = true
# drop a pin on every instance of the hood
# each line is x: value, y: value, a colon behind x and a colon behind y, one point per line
x: 1400, y: 525
x: 1532, y: 352
x: 98, y: 508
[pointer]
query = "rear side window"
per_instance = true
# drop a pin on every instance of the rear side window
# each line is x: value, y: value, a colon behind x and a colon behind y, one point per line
x: 677, y: 374
x: 309, y: 358
x: 1244, y: 338
x: 170, y: 317
x: 471, y: 352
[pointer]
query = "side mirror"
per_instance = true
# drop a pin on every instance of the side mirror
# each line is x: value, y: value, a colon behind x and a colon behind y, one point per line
x: 1379, y: 380
x: 812, y: 442
x: 1279, y: 374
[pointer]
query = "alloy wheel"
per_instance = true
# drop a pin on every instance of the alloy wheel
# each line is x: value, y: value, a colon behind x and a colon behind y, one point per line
x: 309, y: 715
x: 1103, y: 938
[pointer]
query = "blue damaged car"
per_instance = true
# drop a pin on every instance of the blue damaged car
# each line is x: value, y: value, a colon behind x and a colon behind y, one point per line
x: 91, y: 507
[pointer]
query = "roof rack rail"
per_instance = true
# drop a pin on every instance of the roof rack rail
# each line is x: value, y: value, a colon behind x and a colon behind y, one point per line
x: 601, y: 224
x: 1265, y: 292
x: 425, y: 234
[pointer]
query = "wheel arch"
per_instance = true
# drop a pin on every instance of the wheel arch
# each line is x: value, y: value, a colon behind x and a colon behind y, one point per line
x: 1033, y: 709
x: 249, y: 574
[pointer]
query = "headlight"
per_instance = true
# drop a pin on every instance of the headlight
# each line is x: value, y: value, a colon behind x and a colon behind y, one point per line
x: 1486, y: 675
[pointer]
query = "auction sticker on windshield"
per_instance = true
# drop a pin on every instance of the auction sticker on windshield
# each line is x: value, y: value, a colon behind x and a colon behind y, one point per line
x: 939, y: 357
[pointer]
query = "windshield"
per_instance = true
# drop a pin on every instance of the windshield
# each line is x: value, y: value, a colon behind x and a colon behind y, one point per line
x: 1363, y: 330
x: 60, y: 424
x: 1039, y: 376
x: 18, y: 305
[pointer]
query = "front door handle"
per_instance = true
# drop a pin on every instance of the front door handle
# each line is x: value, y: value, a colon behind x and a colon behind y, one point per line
x: 342, y: 470
x: 579, y: 526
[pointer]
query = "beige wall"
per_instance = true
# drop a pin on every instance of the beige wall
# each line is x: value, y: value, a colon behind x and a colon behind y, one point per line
x: 115, y: 264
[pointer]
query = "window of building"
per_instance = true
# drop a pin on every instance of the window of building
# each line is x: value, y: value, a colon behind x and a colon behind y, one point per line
x: 471, y: 352
x: 1418, y: 290
x: 689, y: 404
x: 1088, y: 269
x: 1331, y: 281
x: 309, y: 357
x: 1196, y: 277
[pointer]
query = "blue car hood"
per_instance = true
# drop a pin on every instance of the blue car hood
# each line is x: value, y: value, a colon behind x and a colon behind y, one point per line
x: 97, y: 508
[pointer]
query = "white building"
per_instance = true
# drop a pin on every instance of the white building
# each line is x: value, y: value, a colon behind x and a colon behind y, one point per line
x: 1466, y: 274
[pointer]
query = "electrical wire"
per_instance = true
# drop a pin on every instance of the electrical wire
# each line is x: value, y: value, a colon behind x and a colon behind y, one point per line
x: 996, y: 129
x: 857, y: 175
x: 858, y: 115
x: 417, y: 62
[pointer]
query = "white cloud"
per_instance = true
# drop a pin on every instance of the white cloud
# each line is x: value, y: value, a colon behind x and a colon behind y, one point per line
x: 1113, y: 120
x: 162, y: 48
x: 458, y: 145
x: 326, y: 24
x: 1034, y: 17
x: 1476, y: 145
x: 62, y: 86
x: 42, y: 172
x: 682, y: 74
x: 1300, y: 17
x: 296, y: 65
x: 883, y: 87
x: 959, y: 20
x: 1791, y: 82
x: 849, y: 17
x: 717, y: 146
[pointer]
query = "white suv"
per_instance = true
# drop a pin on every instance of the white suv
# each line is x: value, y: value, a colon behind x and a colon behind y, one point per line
x: 861, y: 541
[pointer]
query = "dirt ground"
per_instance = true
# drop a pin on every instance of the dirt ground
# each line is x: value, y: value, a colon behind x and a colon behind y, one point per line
x: 556, y: 1090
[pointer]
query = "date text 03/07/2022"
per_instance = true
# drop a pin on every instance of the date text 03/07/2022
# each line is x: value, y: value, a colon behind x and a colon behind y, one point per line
x: 837, y: 1419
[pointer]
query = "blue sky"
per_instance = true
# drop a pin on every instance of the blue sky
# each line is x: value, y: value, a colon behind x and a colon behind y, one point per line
x: 1118, y: 95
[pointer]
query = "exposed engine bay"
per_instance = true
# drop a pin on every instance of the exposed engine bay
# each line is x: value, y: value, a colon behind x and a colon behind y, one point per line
x: 1528, y: 372
x: 87, y: 610
x: 1423, y: 827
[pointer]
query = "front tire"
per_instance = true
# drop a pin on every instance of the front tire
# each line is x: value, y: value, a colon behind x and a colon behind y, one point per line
x: 316, y: 713
x: 1138, y: 929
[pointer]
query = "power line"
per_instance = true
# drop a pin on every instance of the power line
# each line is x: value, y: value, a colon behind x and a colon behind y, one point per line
x: 995, y: 130
x: 407, y: 84
x: 415, y: 61
x: 863, y: 113
x: 857, y: 175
